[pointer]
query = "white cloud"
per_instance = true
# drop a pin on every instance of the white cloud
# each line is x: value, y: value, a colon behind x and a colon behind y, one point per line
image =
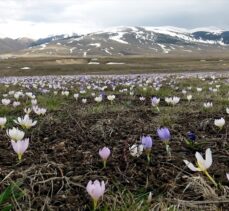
x: 39, y: 18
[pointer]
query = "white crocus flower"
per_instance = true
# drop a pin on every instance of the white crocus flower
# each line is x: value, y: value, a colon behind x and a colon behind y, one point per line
x: 142, y: 98
x: 3, y: 121
x: 76, y: 96
x: 136, y: 150
x: 25, y: 122
x: 189, y: 97
x: 98, y: 99
x: 16, y: 103
x: 198, y: 89
x: 219, y: 122
x: 27, y: 110
x: 227, y: 176
x: 202, y: 164
x: 39, y: 111
x: 111, y: 97
x: 208, y: 105
x: 227, y: 110
x: 175, y: 100
x: 5, y: 101
x: 84, y: 100
x: 168, y: 100
x: 15, y: 134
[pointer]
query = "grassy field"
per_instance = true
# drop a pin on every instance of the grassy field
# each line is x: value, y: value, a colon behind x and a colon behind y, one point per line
x: 137, y: 65
x: 63, y: 153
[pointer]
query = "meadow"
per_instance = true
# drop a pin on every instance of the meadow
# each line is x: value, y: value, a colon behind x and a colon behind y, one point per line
x: 143, y: 137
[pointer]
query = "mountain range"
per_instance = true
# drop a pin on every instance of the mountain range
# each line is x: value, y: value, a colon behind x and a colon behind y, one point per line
x: 119, y: 41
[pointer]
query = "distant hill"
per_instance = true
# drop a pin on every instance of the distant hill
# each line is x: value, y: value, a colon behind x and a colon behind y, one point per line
x: 119, y: 41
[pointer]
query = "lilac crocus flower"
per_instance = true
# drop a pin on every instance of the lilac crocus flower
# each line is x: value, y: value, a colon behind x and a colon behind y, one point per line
x: 20, y: 147
x: 155, y: 101
x: 147, y: 143
x: 95, y: 190
x: 164, y: 134
x: 104, y: 154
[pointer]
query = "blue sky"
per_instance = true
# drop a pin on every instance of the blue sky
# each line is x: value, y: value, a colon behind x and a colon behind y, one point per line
x: 40, y: 18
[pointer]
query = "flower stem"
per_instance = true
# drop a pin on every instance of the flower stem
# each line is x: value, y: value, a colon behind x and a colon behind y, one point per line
x: 94, y: 204
x: 104, y: 164
x: 212, y: 180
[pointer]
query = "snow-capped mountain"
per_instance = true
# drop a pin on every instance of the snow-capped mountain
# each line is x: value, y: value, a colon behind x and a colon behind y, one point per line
x: 118, y: 41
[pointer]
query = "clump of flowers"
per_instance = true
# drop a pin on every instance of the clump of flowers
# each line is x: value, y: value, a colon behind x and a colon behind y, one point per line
x: 202, y: 164
x: 96, y: 190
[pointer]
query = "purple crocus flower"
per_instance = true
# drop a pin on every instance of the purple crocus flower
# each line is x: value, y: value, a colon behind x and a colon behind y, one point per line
x: 147, y: 142
x: 164, y: 134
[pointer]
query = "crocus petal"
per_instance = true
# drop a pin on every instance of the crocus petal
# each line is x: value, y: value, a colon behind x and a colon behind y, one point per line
x: 208, y: 155
x: 190, y: 166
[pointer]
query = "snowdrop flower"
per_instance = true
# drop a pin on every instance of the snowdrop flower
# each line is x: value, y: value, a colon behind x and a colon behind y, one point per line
x: 3, y: 121
x: 208, y: 105
x: 202, y: 164
x: 20, y: 147
x: 111, y: 97
x: 227, y: 110
x: 84, y: 100
x: 15, y: 134
x: 95, y: 190
x: 98, y: 99
x: 136, y: 150
x: 25, y: 122
x: 104, y: 153
x: 219, y: 122
x: 5, y: 102
x: 189, y: 97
